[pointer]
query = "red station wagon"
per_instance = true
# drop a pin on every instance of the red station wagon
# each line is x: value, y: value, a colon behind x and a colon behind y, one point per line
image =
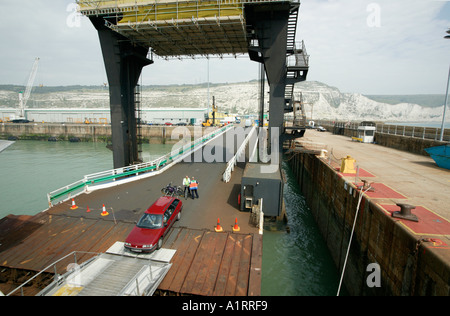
x: 148, y: 233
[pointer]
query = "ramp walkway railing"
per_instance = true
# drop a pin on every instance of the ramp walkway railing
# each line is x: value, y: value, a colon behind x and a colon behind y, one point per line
x: 103, y: 274
x: 241, y: 150
x: 54, y: 267
x: 127, y: 174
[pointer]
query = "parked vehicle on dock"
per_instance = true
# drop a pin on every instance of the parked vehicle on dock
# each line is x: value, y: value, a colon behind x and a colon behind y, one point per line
x: 150, y: 230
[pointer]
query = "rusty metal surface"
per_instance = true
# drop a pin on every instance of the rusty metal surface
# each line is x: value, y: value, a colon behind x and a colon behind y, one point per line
x: 59, y: 235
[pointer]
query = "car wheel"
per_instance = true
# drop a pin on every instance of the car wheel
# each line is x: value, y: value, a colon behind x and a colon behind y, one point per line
x: 179, y: 215
x: 160, y: 241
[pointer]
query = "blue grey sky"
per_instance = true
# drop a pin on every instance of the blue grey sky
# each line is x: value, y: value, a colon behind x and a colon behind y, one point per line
x: 361, y: 46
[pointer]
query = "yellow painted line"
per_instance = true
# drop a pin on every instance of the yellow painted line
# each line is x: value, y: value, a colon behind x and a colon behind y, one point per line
x: 406, y: 197
x: 68, y: 290
x: 409, y: 228
x: 26, y: 261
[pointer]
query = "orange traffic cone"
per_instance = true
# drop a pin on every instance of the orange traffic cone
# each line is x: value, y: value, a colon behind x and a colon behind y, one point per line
x: 218, y: 228
x: 74, y: 206
x: 88, y: 210
x: 104, y: 213
x: 236, y: 228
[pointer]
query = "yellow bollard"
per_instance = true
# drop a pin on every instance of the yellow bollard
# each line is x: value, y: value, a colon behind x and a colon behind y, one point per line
x: 348, y: 165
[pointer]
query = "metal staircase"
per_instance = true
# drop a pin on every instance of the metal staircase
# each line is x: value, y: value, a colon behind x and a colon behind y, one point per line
x: 292, y: 27
x: 296, y: 58
x: 297, y: 67
x: 139, y: 122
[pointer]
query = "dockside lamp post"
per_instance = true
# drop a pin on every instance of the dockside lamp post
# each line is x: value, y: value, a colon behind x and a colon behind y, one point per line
x: 446, y: 97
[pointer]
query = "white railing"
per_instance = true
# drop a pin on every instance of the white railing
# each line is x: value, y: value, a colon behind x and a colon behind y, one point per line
x: 57, y: 276
x: 423, y: 132
x: 143, y: 283
x: 432, y: 133
x: 130, y: 173
x: 232, y: 163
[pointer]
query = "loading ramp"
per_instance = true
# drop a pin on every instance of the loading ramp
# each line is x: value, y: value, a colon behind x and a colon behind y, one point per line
x: 114, y: 273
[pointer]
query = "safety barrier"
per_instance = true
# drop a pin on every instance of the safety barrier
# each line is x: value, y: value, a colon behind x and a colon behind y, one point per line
x: 53, y: 266
x: 422, y: 132
x: 230, y: 166
x: 127, y: 174
x: 110, y: 6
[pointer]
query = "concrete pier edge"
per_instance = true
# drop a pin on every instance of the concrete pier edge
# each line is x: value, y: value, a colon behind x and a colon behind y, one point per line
x: 410, y: 264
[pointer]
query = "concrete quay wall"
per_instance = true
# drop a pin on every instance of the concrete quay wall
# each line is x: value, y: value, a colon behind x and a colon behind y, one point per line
x: 408, y: 264
x: 405, y: 143
x: 415, y: 145
x: 84, y: 132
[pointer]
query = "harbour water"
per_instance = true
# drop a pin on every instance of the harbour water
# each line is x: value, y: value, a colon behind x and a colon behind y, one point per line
x: 295, y: 263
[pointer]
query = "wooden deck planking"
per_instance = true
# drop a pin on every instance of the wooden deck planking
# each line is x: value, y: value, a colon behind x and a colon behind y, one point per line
x: 197, y: 264
x: 13, y: 225
x: 244, y: 267
x: 32, y: 248
x: 112, y: 233
x: 183, y: 260
x: 206, y: 263
x: 233, y: 274
x: 212, y: 270
x: 63, y: 242
x: 57, y: 237
x: 203, y: 264
x: 224, y: 269
x: 209, y: 264
x: 254, y: 280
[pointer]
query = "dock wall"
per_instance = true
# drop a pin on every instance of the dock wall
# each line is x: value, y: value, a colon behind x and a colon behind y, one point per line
x: 84, y: 132
x: 407, y: 265
x: 412, y: 139
x: 405, y: 143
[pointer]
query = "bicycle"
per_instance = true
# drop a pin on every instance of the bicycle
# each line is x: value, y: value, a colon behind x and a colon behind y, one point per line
x: 170, y: 190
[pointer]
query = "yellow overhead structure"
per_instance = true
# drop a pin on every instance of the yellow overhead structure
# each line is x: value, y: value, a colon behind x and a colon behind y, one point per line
x: 177, y: 28
x: 133, y: 11
x: 182, y: 10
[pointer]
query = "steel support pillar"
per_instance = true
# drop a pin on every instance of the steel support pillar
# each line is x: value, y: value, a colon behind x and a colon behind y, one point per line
x: 123, y: 62
x: 268, y: 25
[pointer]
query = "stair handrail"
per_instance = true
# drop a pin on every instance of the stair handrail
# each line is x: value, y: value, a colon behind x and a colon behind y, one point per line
x: 74, y: 253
